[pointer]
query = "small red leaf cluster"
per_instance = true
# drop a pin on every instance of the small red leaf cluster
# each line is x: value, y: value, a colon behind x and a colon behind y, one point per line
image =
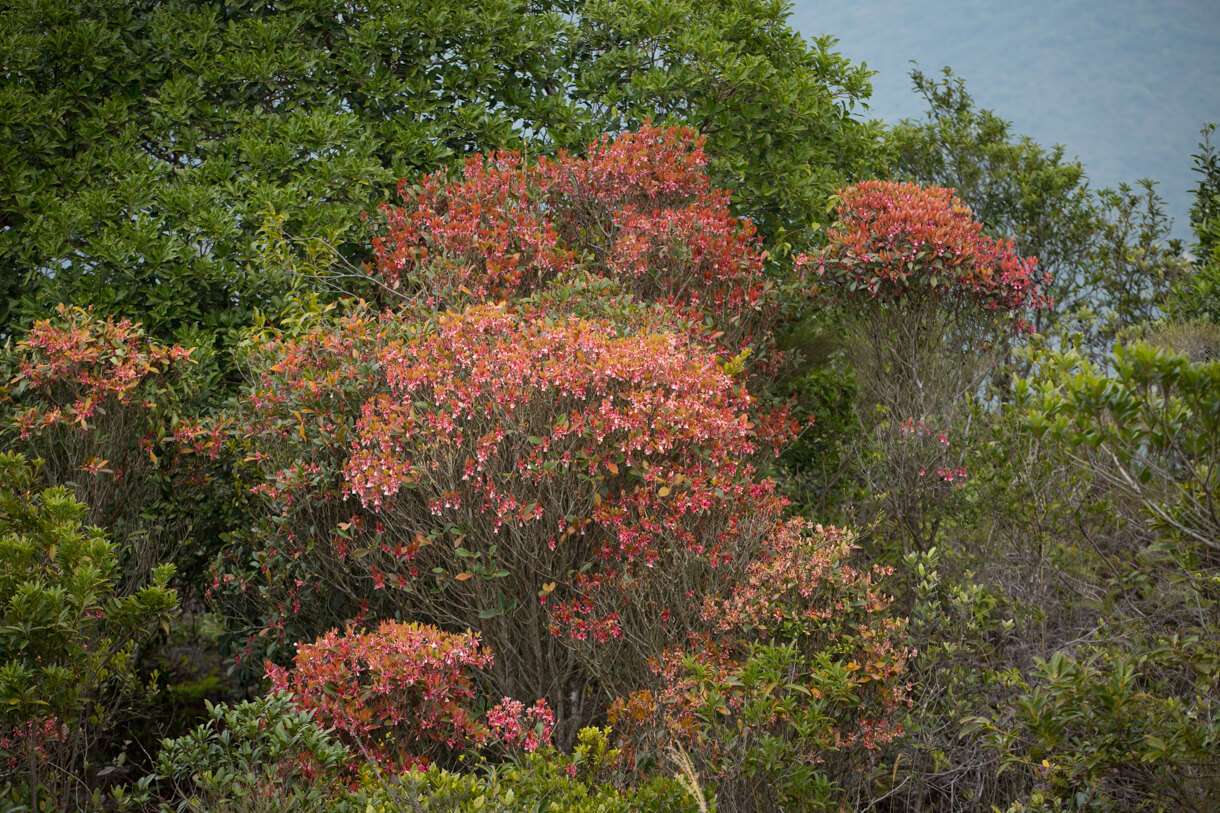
x: 525, y: 728
x: 895, y: 241
x: 29, y: 743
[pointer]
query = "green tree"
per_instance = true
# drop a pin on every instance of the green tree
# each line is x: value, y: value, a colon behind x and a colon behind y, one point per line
x: 145, y: 144
x: 1205, y: 211
x: 1118, y: 711
x: 67, y: 641
x: 1198, y: 296
x: 1148, y: 428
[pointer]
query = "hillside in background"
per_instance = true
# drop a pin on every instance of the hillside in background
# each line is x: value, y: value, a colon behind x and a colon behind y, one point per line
x: 1125, y: 85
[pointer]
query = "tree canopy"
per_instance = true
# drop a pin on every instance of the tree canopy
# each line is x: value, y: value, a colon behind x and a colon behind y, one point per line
x: 147, y: 146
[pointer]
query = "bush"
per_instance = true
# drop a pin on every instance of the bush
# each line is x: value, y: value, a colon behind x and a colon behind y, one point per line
x: 1148, y: 428
x: 67, y: 639
x: 785, y: 705
x: 547, y: 781
x: 1102, y: 731
x: 927, y: 301
x: 567, y: 487
x: 94, y: 399
x: 264, y: 754
x: 399, y: 695
x: 270, y: 755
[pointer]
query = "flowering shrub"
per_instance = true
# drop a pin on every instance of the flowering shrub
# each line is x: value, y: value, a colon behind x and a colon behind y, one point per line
x: 93, y: 399
x: 929, y: 304
x: 638, y: 208
x: 801, y: 588
x: 394, y: 693
x: 82, y: 368
x: 896, y: 241
x: 654, y: 411
x: 799, y: 680
x: 566, y: 490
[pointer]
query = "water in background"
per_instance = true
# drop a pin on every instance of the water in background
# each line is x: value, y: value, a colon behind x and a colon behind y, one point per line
x: 1125, y: 85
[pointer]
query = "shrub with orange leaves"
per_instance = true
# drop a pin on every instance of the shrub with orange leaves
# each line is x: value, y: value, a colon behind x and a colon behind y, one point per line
x: 93, y: 398
x: 896, y: 241
x: 400, y: 694
x: 929, y: 305
x: 794, y: 689
x: 405, y: 694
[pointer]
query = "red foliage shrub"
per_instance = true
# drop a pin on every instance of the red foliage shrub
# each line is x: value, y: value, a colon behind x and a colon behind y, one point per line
x: 80, y: 370
x: 491, y: 388
x: 638, y: 208
x: 928, y: 303
x: 394, y: 694
x: 93, y: 398
x: 558, y: 484
x: 802, y: 588
x: 900, y: 240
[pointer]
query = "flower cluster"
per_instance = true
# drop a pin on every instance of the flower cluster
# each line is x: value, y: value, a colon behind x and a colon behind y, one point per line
x: 899, y: 240
x: 515, y: 725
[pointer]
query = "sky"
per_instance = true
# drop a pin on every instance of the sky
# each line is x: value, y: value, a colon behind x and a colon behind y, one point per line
x: 1125, y: 85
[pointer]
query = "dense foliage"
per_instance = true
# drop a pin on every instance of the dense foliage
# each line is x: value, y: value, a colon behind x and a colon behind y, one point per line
x: 68, y: 639
x: 147, y: 147
x: 594, y: 472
